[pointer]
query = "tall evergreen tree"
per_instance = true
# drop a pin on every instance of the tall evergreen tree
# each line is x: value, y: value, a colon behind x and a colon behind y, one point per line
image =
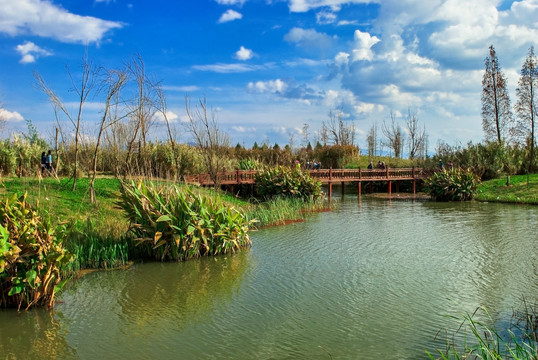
x: 496, y: 112
x: 527, y: 103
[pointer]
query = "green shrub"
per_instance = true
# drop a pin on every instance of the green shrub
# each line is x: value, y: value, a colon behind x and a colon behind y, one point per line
x: 178, y: 224
x: 31, y: 256
x: 282, y: 181
x: 450, y: 185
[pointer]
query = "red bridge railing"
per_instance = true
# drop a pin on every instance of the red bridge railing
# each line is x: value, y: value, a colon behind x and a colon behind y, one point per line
x: 326, y: 176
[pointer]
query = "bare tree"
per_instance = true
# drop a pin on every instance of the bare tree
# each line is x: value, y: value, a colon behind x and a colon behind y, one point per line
x: 306, y: 127
x: 496, y: 112
x: 113, y: 83
x: 142, y: 112
x: 417, y: 135
x: 394, y: 136
x: 337, y: 131
x: 208, y: 137
x: 372, y: 140
x: 82, y: 87
x: 527, y: 104
x: 163, y: 109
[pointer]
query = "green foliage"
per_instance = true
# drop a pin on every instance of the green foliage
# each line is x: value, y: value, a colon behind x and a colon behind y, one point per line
x: 8, y: 158
x: 282, y: 181
x: 178, y: 224
x: 452, y: 185
x: 249, y: 164
x: 335, y: 156
x: 31, y: 255
x: 95, y: 249
x: 488, y: 160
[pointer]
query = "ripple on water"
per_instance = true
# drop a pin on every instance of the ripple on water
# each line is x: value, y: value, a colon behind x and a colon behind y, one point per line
x: 373, y: 279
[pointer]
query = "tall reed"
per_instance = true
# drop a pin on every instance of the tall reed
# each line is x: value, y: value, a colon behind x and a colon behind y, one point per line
x: 489, y: 343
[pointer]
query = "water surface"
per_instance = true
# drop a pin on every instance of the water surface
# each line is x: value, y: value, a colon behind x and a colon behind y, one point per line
x: 373, y: 279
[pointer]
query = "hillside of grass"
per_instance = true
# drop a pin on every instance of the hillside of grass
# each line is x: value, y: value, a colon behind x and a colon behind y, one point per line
x: 523, y: 189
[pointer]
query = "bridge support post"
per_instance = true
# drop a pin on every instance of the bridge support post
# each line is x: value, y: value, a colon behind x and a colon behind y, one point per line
x: 390, y: 187
x: 414, y: 187
x: 330, y: 190
x: 359, y: 188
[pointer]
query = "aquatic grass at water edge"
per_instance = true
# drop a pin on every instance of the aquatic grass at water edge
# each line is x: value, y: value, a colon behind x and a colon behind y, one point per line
x: 178, y: 224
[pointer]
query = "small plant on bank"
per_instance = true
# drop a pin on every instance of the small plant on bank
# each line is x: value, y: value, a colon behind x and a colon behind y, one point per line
x: 517, y: 342
x: 31, y: 256
x: 282, y: 181
x: 179, y: 225
x: 452, y: 185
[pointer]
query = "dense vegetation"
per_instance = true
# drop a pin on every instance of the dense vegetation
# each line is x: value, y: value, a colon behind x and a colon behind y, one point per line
x: 31, y: 255
x: 282, y: 181
x: 452, y: 185
x: 179, y: 224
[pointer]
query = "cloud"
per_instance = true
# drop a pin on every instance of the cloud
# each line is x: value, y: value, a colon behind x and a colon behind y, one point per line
x: 286, y: 89
x: 242, y: 129
x: 244, y: 54
x: 326, y: 17
x: 229, y: 15
x: 30, y: 52
x: 44, y: 19
x: 13, y: 116
x: 335, y: 5
x: 170, y: 115
x: 187, y: 88
x: 229, y: 68
x: 231, y: 2
x: 363, y: 46
x: 273, y: 86
x: 309, y: 38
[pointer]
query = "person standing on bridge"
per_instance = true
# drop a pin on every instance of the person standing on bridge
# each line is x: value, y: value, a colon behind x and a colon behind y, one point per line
x: 370, y: 166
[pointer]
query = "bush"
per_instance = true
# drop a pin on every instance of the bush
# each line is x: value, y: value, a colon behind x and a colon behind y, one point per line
x: 31, y: 256
x: 178, y: 224
x: 285, y: 182
x: 452, y: 185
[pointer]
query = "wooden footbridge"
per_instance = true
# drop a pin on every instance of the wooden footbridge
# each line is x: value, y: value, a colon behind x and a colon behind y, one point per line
x: 326, y: 176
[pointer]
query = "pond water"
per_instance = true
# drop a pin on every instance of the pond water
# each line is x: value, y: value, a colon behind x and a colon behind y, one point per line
x: 372, y: 279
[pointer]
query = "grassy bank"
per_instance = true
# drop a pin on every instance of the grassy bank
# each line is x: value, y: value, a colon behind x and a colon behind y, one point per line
x: 99, y: 234
x: 520, y: 191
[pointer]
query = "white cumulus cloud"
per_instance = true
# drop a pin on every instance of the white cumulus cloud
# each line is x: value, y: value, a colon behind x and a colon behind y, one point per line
x: 171, y: 116
x: 363, y: 49
x: 230, y: 15
x: 6, y: 115
x: 271, y: 86
x: 45, y: 19
x: 30, y: 52
x: 244, y: 54
x: 309, y: 38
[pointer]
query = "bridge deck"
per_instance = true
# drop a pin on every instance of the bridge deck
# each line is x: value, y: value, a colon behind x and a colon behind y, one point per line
x: 326, y: 176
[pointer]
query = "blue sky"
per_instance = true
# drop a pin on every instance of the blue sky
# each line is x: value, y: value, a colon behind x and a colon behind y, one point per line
x: 267, y: 67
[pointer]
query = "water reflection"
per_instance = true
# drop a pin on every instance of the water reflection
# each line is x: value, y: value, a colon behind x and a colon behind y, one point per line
x: 35, y: 334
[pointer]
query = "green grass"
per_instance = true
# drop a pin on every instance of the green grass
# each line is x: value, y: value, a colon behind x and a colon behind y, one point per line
x: 98, y: 233
x: 519, y: 191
